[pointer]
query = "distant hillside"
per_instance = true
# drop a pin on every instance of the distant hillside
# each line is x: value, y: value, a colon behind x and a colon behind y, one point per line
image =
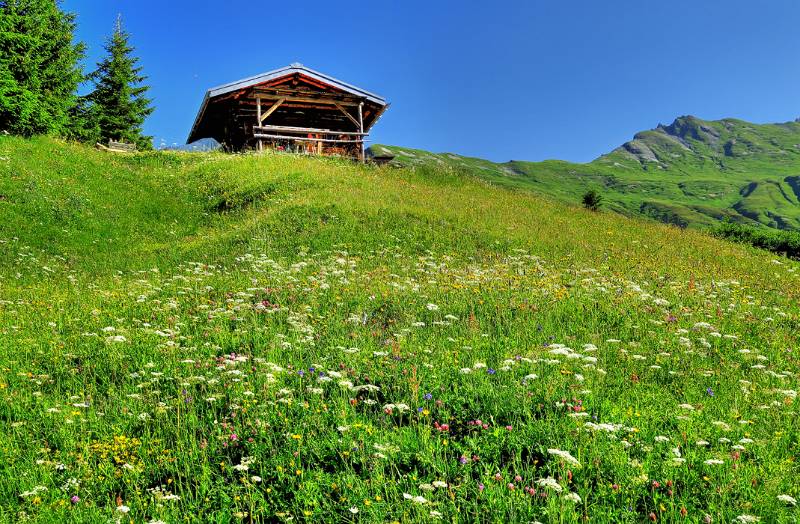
x: 692, y: 172
x: 204, y: 144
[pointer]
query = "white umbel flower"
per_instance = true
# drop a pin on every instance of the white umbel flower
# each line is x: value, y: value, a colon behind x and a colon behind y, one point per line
x: 565, y: 456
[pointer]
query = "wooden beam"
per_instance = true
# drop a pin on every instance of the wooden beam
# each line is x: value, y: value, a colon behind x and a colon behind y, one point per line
x: 297, y: 105
x: 306, y: 139
x: 258, y: 110
x: 271, y: 110
x: 301, y: 91
x: 348, y: 115
x: 290, y: 129
x: 361, y: 127
x: 289, y: 98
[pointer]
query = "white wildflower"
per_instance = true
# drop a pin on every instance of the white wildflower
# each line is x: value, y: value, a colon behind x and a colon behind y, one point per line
x: 417, y: 499
x: 565, y: 456
x: 551, y: 483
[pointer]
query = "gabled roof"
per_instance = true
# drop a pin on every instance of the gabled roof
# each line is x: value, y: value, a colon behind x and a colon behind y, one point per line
x: 288, y: 70
x: 279, y: 73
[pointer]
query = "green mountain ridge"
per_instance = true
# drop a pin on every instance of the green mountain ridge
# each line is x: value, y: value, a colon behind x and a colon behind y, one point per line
x: 690, y: 173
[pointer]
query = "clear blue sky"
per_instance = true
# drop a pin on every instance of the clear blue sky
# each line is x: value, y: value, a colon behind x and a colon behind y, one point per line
x: 524, y: 79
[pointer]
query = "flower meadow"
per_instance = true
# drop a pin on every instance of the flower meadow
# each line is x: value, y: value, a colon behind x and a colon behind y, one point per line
x: 212, y: 338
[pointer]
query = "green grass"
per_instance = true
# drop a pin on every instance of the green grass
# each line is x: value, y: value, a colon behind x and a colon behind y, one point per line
x: 691, y: 173
x: 212, y: 338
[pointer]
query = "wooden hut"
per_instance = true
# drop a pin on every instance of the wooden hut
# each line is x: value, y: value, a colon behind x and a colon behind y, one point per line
x: 293, y: 108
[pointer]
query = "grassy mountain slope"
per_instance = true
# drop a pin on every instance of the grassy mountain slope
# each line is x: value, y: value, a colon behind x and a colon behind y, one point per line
x: 237, y: 338
x: 690, y: 173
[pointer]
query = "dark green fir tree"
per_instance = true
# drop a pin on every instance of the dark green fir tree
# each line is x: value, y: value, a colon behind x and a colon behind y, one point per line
x: 39, y: 67
x: 118, y: 101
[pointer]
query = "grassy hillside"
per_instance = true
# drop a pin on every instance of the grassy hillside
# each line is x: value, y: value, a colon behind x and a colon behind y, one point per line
x: 690, y: 173
x: 212, y: 338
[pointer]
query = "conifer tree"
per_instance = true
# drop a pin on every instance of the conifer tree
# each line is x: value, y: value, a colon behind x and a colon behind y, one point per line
x: 592, y: 200
x: 119, y: 103
x: 39, y: 67
x: 83, y: 122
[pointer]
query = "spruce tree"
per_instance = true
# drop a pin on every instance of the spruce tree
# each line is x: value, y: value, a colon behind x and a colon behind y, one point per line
x: 119, y: 103
x: 592, y: 200
x: 83, y: 122
x: 39, y: 67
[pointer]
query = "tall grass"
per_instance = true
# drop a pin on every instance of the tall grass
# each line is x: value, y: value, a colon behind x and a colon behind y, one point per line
x: 214, y: 338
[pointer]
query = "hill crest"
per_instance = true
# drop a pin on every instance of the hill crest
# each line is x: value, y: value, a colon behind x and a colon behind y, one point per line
x: 692, y: 172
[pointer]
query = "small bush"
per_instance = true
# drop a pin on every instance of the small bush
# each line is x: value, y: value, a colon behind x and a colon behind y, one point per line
x: 592, y: 200
x: 775, y: 240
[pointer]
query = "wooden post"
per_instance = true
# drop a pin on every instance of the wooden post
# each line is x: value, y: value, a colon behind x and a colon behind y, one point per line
x: 361, y: 129
x: 258, y: 121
